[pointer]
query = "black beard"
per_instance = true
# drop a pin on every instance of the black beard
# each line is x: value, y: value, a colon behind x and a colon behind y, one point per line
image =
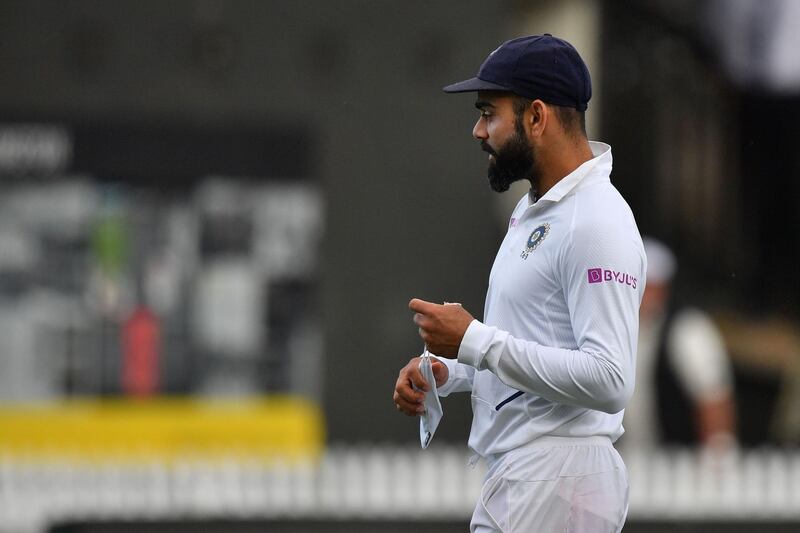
x: 514, y: 161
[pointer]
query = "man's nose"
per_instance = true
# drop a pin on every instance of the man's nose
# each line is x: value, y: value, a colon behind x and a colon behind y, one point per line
x: 479, y: 131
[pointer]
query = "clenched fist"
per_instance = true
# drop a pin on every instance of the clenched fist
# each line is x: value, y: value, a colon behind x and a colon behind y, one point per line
x: 406, y: 398
x: 441, y: 326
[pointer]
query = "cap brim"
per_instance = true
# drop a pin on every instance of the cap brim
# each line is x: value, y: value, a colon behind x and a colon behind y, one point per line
x: 472, y: 85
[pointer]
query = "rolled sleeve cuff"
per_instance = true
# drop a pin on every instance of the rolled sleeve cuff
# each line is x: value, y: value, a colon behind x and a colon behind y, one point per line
x: 475, y: 344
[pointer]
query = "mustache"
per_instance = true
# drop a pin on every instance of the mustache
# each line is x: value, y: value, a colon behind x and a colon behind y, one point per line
x: 488, y: 149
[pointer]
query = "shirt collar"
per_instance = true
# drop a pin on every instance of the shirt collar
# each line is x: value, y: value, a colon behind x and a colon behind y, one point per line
x: 600, y: 164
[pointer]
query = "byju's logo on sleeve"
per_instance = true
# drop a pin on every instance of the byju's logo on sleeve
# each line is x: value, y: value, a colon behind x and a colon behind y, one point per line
x: 600, y: 275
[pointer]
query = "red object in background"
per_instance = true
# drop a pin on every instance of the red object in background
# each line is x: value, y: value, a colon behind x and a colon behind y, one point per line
x: 141, y: 344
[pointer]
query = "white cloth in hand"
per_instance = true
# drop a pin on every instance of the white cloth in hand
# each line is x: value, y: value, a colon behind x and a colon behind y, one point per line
x: 429, y: 420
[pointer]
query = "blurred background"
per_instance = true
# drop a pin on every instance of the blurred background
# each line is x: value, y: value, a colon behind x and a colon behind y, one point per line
x: 213, y: 215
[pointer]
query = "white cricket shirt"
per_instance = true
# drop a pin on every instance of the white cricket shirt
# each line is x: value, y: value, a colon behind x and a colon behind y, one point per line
x: 555, y: 354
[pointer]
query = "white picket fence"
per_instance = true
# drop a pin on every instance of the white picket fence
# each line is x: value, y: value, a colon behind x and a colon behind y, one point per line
x: 369, y: 482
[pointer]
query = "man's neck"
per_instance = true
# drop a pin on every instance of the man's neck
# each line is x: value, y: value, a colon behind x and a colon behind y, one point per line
x: 558, y: 163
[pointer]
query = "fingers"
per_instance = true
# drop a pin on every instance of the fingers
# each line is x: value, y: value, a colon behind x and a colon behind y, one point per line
x: 406, y: 398
x: 409, y: 408
x: 424, y: 326
x: 421, y: 320
x: 421, y: 306
x: 415, y: 376
x: 440, y: 372
x: 441, y: 327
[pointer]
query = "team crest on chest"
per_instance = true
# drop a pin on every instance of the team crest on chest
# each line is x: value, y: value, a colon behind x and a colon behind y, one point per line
x: 537, y: 236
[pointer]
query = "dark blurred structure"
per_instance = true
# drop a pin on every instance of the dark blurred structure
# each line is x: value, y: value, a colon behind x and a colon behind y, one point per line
x: 715, y: 87
x: 712, y: 89
x: 146, y: 112
x: 158, y: 100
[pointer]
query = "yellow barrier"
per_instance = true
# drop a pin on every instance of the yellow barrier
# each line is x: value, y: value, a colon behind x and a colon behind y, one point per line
x: 283, y: 427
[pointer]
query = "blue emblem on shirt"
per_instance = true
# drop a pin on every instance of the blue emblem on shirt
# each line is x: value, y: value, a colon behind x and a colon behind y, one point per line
x: 535, y: 239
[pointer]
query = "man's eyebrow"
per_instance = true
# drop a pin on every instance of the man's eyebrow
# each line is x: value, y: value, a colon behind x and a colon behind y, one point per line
x: 480, y: 104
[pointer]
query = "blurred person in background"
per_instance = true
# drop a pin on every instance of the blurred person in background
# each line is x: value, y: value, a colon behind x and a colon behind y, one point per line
x: 552, y: 366
x: 684, y: 383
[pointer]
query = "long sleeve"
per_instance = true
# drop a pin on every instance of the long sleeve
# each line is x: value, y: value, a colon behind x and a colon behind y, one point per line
x: 460, y: 377
x: 601, y: 275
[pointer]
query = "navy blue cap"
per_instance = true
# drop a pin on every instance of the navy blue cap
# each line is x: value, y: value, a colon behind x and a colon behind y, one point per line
x: 538, y: 67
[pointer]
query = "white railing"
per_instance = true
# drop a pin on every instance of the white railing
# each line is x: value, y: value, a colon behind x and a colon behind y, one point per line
x: 759, y: 485
x: 373, y: 483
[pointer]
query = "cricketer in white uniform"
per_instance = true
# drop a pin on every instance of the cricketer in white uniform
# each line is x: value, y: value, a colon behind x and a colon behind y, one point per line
x: 552, y: 364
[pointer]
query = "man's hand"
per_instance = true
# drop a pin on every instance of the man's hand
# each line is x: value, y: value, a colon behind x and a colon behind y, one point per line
x: 406, y: 398
x: 441, y: 326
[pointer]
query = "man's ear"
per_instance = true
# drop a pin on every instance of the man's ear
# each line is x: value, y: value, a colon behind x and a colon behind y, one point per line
x: 538, y: 115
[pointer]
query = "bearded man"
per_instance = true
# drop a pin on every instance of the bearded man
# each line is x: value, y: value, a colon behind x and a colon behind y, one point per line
x: 551, y: 366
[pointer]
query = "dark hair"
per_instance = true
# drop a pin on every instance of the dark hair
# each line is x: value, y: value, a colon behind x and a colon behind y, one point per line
x: 572, y: 120
x: 520, y: 105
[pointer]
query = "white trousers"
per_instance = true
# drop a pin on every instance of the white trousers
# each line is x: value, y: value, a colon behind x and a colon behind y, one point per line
x: 554, y: 485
